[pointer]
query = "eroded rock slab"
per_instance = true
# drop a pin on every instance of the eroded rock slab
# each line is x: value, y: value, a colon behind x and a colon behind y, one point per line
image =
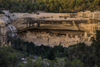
x: 7, y: 31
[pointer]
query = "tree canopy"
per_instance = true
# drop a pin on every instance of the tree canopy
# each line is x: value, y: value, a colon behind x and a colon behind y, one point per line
x: 62, y: 6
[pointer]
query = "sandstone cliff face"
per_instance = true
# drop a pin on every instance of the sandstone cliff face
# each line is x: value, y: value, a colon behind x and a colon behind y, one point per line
x: 56, y: 23
x: 21, y: 19
x: 86, y: 14
x: 70, y: 31
x: 7, y: 31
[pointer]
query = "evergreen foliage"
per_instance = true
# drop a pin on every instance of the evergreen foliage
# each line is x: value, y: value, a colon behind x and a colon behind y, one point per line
x: 79, y: 55
x: 9, y: 57
x: 62, y: 6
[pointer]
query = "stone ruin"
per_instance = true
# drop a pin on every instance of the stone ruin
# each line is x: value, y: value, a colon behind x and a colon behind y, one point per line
x: 52, y: 38
x: 51, y: 28
x: 64, y: 28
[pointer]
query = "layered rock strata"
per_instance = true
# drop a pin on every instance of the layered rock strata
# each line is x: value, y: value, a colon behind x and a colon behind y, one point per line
x: 64, y: 28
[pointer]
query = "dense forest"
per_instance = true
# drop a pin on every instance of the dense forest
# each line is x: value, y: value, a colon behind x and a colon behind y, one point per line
x: 62, y: 6
x: 78, y: 55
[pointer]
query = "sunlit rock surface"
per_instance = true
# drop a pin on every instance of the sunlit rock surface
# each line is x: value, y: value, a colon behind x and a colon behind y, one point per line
x: 52, y: 28
x: 57, y: 28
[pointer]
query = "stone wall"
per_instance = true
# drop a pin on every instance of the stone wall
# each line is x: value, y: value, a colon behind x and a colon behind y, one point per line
x: 52, y: 39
